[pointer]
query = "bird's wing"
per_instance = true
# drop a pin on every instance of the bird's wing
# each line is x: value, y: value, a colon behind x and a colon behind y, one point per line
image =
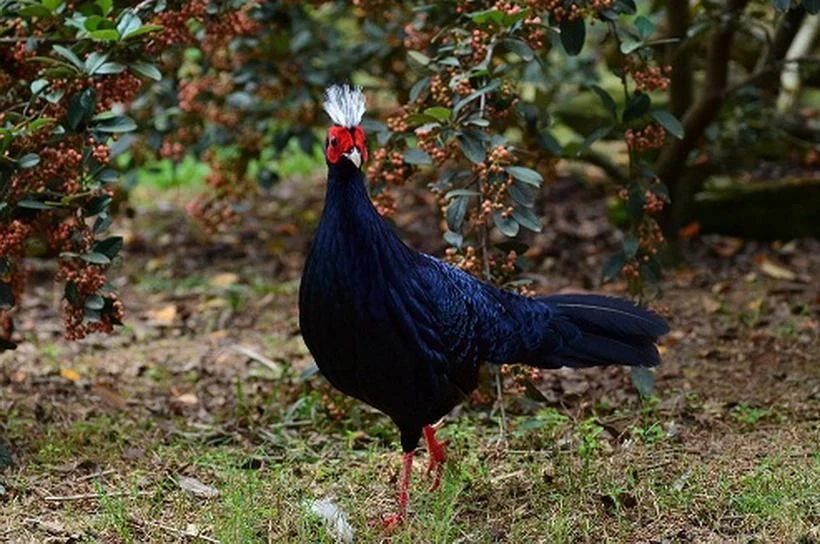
x: 476, y: 321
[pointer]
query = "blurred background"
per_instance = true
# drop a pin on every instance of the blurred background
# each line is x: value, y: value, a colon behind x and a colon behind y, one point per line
x: 162, y: 172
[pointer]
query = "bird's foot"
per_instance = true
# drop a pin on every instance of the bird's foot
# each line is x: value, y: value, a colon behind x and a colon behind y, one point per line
x: 391, y: 522
x: 437, y: 455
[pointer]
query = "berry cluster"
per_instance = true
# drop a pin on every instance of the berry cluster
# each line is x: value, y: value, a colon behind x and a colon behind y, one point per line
x: 651, y: 136
x: 647, y: 78
x: 569, y: 10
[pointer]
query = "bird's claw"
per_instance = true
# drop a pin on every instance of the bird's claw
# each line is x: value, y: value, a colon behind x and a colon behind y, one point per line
x: 391, y: 522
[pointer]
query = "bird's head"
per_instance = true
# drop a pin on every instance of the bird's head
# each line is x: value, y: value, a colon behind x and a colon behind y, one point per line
x: 345, y: 139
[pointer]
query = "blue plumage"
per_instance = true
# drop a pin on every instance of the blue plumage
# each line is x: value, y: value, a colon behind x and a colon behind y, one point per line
x: 406, y: 332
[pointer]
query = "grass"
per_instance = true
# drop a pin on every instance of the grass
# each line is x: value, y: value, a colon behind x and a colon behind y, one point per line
x: 556, y: 480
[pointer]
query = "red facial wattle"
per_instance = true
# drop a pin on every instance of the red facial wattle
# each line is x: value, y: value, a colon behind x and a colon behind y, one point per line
x: 341, y: 140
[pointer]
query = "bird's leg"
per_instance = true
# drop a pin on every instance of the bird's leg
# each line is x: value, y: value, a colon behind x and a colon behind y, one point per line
x: 435, y: 450
x: 404, y: 486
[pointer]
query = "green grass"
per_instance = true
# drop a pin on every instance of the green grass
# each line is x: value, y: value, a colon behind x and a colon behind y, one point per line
x: 556, y: 480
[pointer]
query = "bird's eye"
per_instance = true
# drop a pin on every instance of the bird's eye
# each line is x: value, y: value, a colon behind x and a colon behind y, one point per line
x: 333, y: 141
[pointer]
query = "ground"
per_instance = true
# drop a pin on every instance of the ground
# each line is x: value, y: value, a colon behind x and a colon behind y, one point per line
x: 204, y: 420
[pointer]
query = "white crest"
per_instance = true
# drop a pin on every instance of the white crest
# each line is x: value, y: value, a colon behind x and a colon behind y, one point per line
x: 345, y: 105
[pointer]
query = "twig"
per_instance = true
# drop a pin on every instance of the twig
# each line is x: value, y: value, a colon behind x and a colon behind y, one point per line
x: 272, y: 365
x: 175, y: 531
x: 95, y: 475
x: 83, y: 496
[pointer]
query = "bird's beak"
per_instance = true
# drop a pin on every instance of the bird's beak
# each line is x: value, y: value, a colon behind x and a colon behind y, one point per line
x: 355, y: 157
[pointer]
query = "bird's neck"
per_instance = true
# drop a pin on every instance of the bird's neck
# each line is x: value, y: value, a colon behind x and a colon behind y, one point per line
x: 348, y: 209
x: 350, y: 222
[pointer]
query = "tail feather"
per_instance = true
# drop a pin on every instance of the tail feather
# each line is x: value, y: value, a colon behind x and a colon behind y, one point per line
x: 614, y: 315
x: 612, y: 331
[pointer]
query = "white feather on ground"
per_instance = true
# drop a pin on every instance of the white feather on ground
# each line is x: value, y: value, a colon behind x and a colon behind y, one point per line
x: 335, y: 518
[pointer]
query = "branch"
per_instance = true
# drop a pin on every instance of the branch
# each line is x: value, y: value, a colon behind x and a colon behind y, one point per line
x: 784, y: 35
x: 679, y: 57
x: 669, y: 166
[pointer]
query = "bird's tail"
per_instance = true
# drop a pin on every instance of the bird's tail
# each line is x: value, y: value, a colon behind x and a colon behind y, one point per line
x: 600, y: 330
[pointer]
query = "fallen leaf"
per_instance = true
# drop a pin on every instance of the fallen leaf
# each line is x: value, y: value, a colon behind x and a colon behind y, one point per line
x: 70, y: 375
x: 188, y: 399
x: 108, y: 396
x: 165, y: 315
x: 689, y: 231
x: 710, y: 305
x: 195, y: 487
x: 776, y: 271
x: 225, y: 279
x: 727, y: 247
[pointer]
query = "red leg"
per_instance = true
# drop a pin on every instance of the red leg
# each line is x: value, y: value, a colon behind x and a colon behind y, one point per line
x: 435, y: 450
x: 394, y: 520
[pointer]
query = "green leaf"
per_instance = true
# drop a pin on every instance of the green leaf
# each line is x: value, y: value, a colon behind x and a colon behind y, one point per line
x: 105, y: 6
x: 440, y: 113
x: 630, y: 44
x: 547, y: 141
x: 113, y: 124
x: 95, y: 302
x: 109, y: 247
x: 456, y: 212
x: 102, y: 223
x: 638, y: 106
x: 606, y: 100
x: 614, y: 265
x: 487, y: 16
x: 91, y: 316
x: 472, y: 148
x: 38, y: 85
x: 420, y: 59
x: 34, y: 11
x: 526, y: 218
x: 417, y: 88
x: 506, y: 225
x: 645, y: 27
x: 128, y: 22
x: 573, y: 35
x: 69, y: 55
x: 526, y: 175
x: 453, y: 238
x: 32, y: 204
x: 146, y: 69
x: 96, y: 205
x: 95, y: 258
x: 521, y: 193
x: 643, y: 379
x: 52, y: 5
x: 80, y: 107
x: 461, y: 192
x: 626, y: 7
x: 414, y: 155
x: 669, y: 122
x: 110, y: 68
x: 94, y: 61
x: 142, y: 30
x: 519, y: 48
x: 630, y: 245
x: 105, y: 35
x: 29, y: 160
x: 490, y: 87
